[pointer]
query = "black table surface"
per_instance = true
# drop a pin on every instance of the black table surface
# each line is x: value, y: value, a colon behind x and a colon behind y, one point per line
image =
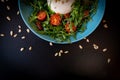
x: 41, y: 62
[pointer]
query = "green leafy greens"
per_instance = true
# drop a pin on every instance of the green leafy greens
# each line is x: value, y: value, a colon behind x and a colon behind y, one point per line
x: 77, y: 16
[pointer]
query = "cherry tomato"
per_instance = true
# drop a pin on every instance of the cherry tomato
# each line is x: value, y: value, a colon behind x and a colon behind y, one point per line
x: 41, y: 15
x: 55, y: 19
x: 67, y: 28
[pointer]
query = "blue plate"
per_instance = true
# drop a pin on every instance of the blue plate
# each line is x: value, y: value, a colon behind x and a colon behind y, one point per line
x: 26, y: 10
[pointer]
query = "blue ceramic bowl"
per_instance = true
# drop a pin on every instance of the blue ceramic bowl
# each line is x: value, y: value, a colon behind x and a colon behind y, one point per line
x: 26, y: 10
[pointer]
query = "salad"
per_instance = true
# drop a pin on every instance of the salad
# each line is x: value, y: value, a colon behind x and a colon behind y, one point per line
x: 61, y: 26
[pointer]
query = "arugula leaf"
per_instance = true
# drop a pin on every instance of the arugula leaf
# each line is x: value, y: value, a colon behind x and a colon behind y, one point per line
x: 76, y: 16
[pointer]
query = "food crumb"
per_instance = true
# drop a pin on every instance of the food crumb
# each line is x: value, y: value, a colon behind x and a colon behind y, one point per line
x: 87, y: 40
x: 18, y: 12
x: 108, y: 60
x: 11, y: 33
x: 2, y: 35
x: 8, y: 18
x: 56, y: 54
x: 105, y: 26
x: 80, y: 46
x: 59, y: 54
x: 61, y: 51
x: 95, y: 46
x: 66, y: 52
x: 28, y: 30
x: 8, y: 7
x: 15, y: 35
x: 30, y: 48
x: 104, y: 21
x: 50, y: 43
x: 21, y: 49
x: 104, y: 50
x: 19, y: 26
x: 23, y: 37
x: 19, y: 30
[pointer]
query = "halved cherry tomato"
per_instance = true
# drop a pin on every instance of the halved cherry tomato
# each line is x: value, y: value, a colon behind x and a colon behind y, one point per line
x: 55, y: 19
x: 38, y: 24
x: 67, y: 27
x: 41, y: 15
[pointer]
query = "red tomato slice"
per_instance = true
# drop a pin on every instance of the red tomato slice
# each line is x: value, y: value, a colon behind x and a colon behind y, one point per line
x: 55, y: 19
x: 67, y: 28
x: 41, y: 15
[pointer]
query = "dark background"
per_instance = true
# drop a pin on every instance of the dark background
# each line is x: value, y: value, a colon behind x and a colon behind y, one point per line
x: 40, y: 63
